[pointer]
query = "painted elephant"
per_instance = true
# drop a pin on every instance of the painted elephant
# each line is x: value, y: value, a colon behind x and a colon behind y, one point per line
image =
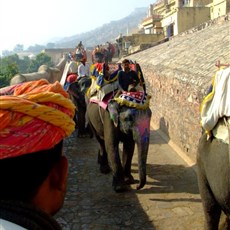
x: 51, y: 74
x: 101, y: 54
x: 111, y: 51
x: 214, y: 180
x: 129, y: 126
x: 77, y: 91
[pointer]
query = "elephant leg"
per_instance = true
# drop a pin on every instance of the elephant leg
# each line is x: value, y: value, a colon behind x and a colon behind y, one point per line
x: 75, y: 119
x: 212, y: 176
x: 119, y: 184
x: 112, y: 148
x: 102, y: 157
x: 81, y: 122
x: 89, y: 131
x: 212, y: 210
x: 127, y: 156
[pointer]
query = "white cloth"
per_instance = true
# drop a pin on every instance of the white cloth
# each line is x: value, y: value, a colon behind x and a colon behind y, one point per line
x: 220, y: 131
x: 71, y: 67
x: 7, y: 225
x: 83, y: 70
x: 219, y: 104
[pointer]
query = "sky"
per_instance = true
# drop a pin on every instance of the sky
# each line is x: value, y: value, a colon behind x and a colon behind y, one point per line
x: 30, y: 22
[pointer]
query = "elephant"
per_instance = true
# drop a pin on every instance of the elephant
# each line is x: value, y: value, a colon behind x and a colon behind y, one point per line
x: 51, y: 74
x: 111, y: 51
x: 128, y: 126
x: 101, y: 54
x: 77, y: 91
x: 213, y: 173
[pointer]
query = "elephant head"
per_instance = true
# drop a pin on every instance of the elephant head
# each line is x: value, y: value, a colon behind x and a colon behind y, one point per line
x: 132, y: 127
x: 77, y: 91
x: 133, y: 123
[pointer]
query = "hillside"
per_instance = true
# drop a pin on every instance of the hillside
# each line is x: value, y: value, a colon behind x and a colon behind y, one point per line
x: 107, y: 32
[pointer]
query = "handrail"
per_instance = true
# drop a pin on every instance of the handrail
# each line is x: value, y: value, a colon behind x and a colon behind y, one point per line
x: 219, y: 65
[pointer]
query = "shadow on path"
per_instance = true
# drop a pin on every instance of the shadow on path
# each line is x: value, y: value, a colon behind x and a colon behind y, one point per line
x: 90, y: 201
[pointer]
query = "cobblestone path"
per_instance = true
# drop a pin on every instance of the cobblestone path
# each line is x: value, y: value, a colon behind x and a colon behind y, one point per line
x: 169, y: 201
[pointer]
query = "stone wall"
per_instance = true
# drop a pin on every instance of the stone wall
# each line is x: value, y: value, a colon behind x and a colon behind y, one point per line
x: 178, y: 74
x: 56, y: 54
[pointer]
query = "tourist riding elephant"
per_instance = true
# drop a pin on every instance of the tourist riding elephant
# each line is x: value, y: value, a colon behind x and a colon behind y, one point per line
x: 214, y: 179
x: 51, y: 74
x: 121, y: 124
x: 100, y: 54
x: 111, y: 51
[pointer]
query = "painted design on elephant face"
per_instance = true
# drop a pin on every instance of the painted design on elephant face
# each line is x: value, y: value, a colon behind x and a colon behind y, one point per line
x: 143, y: 128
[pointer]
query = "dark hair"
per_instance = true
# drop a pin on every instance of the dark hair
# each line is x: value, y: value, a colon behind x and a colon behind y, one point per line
x: 20, y: 177
x: 125, y: 61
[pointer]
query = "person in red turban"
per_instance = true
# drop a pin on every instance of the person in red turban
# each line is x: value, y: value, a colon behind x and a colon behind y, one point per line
x: 35, y: 118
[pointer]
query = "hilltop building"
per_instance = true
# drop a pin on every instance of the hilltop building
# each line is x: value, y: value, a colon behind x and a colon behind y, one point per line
x: 167, y: 18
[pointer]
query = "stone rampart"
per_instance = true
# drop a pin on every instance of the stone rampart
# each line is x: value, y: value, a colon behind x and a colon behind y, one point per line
x: 178, y: 74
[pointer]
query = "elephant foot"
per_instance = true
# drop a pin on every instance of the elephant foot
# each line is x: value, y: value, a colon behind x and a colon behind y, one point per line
x: 129, y: 179
x: 105, y: 169
x: 140, y: 185
x: 81, y: 135
x: 89, y: 132
x: 119, y: 186
x: 90, y: 135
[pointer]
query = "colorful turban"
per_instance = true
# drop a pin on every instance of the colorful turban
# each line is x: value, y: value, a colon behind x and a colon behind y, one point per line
x: 71, y: 78
x: 34, y: 116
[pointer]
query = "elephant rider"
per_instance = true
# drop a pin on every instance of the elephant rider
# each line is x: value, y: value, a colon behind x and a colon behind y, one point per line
x: 98, y: 55
x: 83, y: 69
x: 35, y: 118
x: 80, y: 45
x: 127, y: 78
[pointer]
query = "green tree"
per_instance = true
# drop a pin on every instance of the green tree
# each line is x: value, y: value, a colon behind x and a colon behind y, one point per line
x: 18, y: 48
x: 11, y: 65
x: 36, y: 48
x: 23, y: 65
x: 6, y: 53
x: 7, y: 71
x: 41, y: 59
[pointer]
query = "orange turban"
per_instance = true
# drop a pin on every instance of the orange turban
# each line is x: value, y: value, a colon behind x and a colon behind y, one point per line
x: 34, y: 116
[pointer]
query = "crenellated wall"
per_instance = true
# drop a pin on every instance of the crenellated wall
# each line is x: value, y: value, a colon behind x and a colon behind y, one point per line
x: 178, y: 74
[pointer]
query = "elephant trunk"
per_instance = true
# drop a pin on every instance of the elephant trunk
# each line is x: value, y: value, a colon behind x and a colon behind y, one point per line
x: 142, y: 159
x: 143, y: 147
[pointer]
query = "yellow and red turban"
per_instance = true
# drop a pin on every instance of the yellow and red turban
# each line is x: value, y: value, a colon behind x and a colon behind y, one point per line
x: 34, y: 116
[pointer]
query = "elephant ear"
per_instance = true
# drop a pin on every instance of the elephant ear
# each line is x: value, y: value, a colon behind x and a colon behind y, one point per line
x: 113, y: 108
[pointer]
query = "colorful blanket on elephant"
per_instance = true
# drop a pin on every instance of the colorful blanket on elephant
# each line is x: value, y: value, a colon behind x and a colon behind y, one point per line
x: 139, y: 100
x: 216, y: 104
x: 34, y: 116
x: 102, y: 103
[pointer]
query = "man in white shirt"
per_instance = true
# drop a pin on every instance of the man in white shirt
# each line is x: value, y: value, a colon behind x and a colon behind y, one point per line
x: 83, y: 69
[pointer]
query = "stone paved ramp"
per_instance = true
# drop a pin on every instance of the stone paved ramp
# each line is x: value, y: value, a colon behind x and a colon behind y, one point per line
x: 169, y: 201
